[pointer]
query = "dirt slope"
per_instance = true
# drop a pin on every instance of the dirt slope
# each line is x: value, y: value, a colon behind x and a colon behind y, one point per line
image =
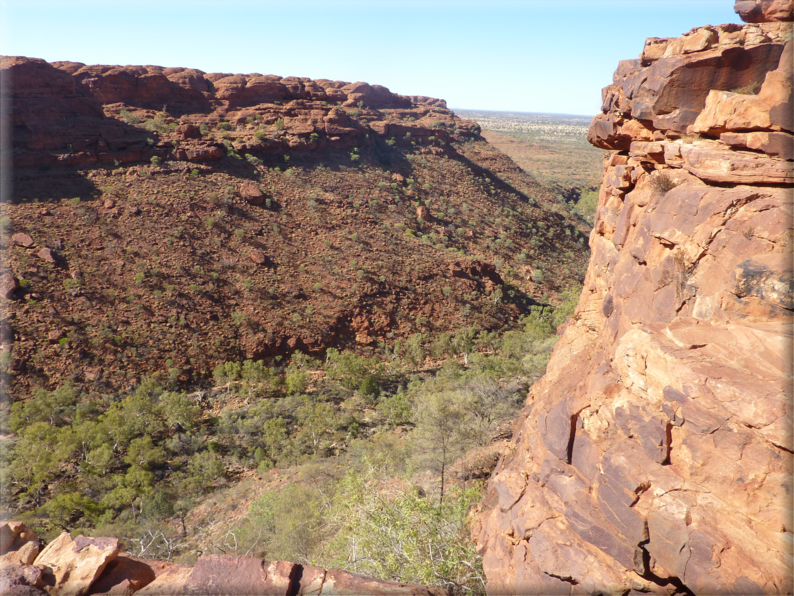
x: 167, y: 220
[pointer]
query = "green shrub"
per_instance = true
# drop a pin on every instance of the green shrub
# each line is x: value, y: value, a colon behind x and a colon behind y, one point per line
x: 226, y: 373
x: 396, y: 409
x: 129, y: 117
x: 369, y: 388
x: 350, y: 370
x: 404, y: 536
x: 570, y: 298
x: 296, y: 382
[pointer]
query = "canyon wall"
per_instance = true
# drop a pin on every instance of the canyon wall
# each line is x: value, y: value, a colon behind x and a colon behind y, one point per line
x: 655, y: 456
x: 68, y: 113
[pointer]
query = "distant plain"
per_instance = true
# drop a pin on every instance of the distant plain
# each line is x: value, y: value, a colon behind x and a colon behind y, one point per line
x: 553, y: 148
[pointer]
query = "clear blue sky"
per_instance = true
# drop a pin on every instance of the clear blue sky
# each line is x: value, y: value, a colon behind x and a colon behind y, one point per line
x: 522, y: 55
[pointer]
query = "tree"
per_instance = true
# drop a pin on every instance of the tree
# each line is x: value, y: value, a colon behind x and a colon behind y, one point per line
x: 179, y: 411
x: 274, y: 435
x: 62, y: 509
x: 350, y: 370
x: 53, y: 407
x: 369, y: 389
x: 401, y: 535
x: 414, y: 350
x: 142, y: 452
x: 442, y: 421
x: 205, y: 467
x: 291, y: 521
x: 296, y: 380
x: 463, y: 342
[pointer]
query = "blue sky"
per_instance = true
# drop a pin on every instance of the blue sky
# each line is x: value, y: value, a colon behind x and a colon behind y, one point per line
x: 516, y: 55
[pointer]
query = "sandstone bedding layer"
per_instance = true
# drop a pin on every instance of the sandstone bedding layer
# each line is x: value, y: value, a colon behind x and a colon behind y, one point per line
x: 165, y: 220
x: 98, y: 566
x: 68, y: 113
x: 655, y: 456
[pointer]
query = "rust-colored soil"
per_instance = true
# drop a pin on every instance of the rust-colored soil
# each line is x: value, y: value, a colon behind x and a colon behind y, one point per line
x: 167, y: 267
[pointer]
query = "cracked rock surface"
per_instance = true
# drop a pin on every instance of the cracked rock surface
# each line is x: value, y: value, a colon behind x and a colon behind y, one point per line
x: 655, y: 456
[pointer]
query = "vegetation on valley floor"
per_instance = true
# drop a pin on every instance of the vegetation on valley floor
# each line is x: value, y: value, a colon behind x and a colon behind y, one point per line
x: 380, y: 486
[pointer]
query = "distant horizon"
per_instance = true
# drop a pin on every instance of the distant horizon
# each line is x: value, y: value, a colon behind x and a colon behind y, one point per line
x: 520, y: 56
x: 523, y: 112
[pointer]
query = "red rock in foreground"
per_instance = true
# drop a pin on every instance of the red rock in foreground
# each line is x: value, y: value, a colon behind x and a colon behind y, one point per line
x: 93, y: 566
x: 655, y: 455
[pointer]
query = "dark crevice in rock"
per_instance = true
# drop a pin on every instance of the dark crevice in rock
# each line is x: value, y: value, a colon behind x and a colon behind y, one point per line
x: 668, y: 431
x: 295, y: 581
x: 566, y: 579
x: 781, y: 447
x: 571, y: 438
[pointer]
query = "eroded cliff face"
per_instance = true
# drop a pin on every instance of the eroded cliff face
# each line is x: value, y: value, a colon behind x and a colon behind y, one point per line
x: 656, y: 453
x: 68, y: 113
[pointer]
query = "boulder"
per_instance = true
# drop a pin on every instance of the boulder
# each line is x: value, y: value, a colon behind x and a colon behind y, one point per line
x: 779, y: 144
x: 17, y: 580
x: 22, y: 239
x: 122, y: 576
x: 223, y: 574
x: 45, y: 254
x: 170, y: 581
x: 708, y: 162
x: 258, y: 257
x: 252, y: 194
x: 18, y: 544
x: 671, y: 91
x: 77, y: 563
x: 727, y: 111
x: 343, y: 583
x: 8, y: 284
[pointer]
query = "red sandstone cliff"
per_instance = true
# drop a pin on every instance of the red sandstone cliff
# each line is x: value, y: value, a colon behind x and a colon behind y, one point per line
x: 656, y: 453
x: 67, y: 113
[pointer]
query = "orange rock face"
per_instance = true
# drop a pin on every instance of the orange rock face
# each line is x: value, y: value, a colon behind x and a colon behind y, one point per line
x: 655, y: 455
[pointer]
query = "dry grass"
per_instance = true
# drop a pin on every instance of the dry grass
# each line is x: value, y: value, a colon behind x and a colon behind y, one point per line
x: 663, y: 183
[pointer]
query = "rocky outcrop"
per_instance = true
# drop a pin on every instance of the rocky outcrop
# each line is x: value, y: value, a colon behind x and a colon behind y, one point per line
x: 93, y: 566
x: 655, y: 456
x: 67, y: 113
x: 764, y: 11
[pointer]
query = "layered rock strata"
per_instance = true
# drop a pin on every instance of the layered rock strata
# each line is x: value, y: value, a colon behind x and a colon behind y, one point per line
x: 655, y: 456
x: 94, y: 566
x: 68, y: 113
